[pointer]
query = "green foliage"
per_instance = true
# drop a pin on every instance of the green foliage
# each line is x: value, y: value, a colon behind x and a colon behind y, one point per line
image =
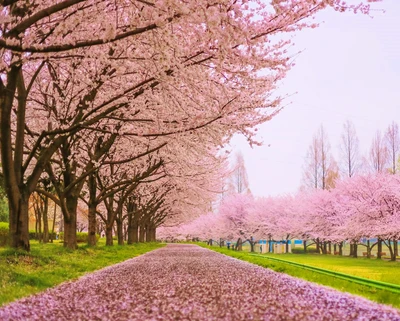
x: 50, y: 264
x: 3, y: 233
x: 373, y: 269
x: 81, y: 237
x: 34, y: 236
x: 4, y: 215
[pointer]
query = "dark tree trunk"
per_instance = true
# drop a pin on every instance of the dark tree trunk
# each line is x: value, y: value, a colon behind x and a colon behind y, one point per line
x: 12, y: 158
x: 355, y: 248
x: 92, y: 206
x: 239, y: 244
x: 341, y: 248
x: 368, y: 249
x: 70, y: 224
x: 142, y: 233
x: 120, y: 232
x: 251, y: 246
x: 109, y: 235
x: 19, y: 224
x: 351, y: 249
x: 54, y: 223
x: 133, y: 231
x: 151, y: 234
x: 305, y: 246
x: 46, y: 220
x: 318, y: 246
x: 330, y: 247
x: 148, y: 234
x: 396, y: 247
x: 334, y: 248
x: 379, y: 244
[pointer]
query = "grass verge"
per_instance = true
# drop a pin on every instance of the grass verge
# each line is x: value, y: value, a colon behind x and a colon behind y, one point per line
x: 352, y: 267
x: 23, y: 274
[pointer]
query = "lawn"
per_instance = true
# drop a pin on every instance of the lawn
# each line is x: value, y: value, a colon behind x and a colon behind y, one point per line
x: 47, y: 265
x: 373, y: 269
x: 380, y: 270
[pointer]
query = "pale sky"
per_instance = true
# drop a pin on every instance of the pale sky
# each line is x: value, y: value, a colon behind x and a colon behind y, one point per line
x: 349, y: 69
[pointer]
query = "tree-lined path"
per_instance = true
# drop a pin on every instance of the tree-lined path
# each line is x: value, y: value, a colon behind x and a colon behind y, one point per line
x: 186, y: 282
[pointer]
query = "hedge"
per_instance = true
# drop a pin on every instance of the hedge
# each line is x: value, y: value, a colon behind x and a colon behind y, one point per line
x: 34, y: 236
x: 81, y: 237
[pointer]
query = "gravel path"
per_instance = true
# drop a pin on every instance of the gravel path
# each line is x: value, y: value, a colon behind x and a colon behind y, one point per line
x: 186, y: 282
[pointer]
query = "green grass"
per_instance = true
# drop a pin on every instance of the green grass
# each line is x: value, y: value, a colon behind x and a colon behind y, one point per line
x: 47, y: 265
x: 373, y: 269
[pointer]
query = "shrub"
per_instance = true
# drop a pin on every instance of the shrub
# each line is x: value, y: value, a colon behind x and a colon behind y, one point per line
x: 34, y: 236
x: 3, y: 234
x: 81, y: 237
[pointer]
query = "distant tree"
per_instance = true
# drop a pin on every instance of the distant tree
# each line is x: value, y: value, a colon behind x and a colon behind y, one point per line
x: 349, y: 150
x: 238, y: 180
x: 392, y: 141
x: 317, y: 171
x: 378, y: 153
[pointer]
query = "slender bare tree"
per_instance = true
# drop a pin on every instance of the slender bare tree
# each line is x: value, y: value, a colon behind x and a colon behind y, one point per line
x: 238, y: 180
x: 320, y: 165
x: 349, y: 150
x: 378, y: 153
x: 392, y: 140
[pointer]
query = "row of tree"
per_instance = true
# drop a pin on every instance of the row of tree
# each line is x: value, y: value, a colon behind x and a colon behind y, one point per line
x: 361, y: 207
x: 321, y: 170
x: 125, y: 104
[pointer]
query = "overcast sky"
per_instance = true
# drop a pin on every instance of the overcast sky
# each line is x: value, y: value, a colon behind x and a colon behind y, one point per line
x: 349, y: 69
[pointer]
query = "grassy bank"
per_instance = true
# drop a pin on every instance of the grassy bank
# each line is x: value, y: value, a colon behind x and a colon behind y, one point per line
x: 47, y: 265
x: 373, y: 269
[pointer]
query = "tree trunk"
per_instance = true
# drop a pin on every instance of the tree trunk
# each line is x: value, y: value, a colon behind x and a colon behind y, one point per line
x: 379, y: 254
x: 330, y: 247
x: 334, y: 248
x: 239, y: 244
x: 109, y: 235
x: 318, y: 246
x: 135, y: 233
x: 391, y: 250
x: 92, y: 206
x: 368, y: 249
x: 152, y: 234
x: 305, y: 246
x: 142, y: 233
x: 396, y: 247
x: 252, y: 246
x: 355, y: 247
x: 351, y: 249
x: 46, y: 220
x: 12, y: 158
x: 70, y: 225
x: 341, y: 248
x: 70, y: 241
x: 120, y: 232
x: 54, y: 223
x: 19, y: 224
x: 133, y: 230
x: 148, y: 234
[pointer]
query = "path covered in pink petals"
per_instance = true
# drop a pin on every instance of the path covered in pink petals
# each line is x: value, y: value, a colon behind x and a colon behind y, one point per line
x: 186, y: 282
